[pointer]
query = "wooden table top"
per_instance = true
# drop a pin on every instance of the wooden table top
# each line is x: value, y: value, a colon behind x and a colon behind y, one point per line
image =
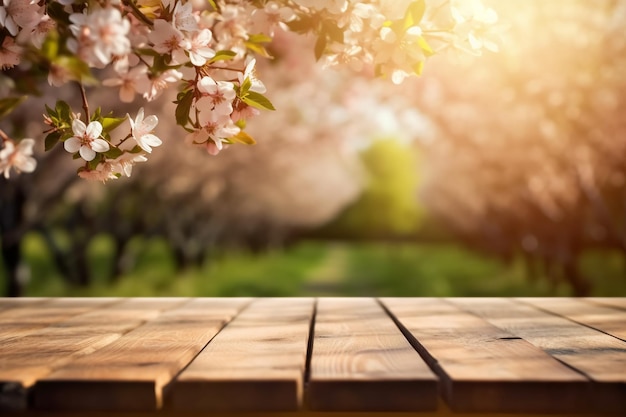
x: 161, y: 356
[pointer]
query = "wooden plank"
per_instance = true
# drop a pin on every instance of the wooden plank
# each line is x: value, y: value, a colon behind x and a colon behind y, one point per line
x: 130, y: 373
x: 7, y: 303
x: 18, y: 322
x: 615, y: 302
x: 606, y: 319
x: 482, y: 367
x: 256, y: 363
x: 24, y: 360
x: 361, y: 361
x: 442, y: 412
x: 597, y: 355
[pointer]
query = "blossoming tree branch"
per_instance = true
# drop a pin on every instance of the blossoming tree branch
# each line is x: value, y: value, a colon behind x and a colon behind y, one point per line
x: 207, y: 51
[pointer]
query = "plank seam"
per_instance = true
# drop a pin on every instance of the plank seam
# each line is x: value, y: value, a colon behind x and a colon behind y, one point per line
x: 168, y: 386
x: 430, y: 360
x: 569, y: 319
x: 309, y: 346
x: 583, y: 373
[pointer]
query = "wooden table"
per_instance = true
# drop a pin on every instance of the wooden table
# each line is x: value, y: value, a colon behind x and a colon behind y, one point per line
x: 303, y: 356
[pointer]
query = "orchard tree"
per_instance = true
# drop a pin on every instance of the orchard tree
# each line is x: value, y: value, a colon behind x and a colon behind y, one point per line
x: 530, y: 151
x: 200, y: 54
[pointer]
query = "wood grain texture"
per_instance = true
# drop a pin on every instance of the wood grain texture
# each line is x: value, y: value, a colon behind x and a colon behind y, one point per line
x: 256, y: 363
x: 599, y: 356
x: 21, y: 302
x: 26, y: 359
x: 615, y: 302
x: 18, y: 322
x: 484, y: 368
x: 129, y: 373
x: 603, y: 318
x: 362, y: 362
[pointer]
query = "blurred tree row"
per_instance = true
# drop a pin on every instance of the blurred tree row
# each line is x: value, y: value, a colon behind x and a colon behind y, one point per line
x: 297, y: 177
x: 530, y: 150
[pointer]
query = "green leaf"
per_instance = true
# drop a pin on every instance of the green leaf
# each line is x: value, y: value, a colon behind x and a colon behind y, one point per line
x: 419, y: 68
x: 50, y: 47
x: 136, y: 149
x: 184, y: 102
x: 414, y: 13
x: 7, y: 105
x: 93, y: 164
x: 259, y: 38
x: 245, y: 87
x: 51, y: 140
x: 243, y: 137
x: 258, y: 49
x: 97, y: 115
x: 428, y: 51
x: 77, y: 69
x: 113, y: 152
x: 257, y: 100
x: 222, y: 56
x: 111, y: 123
x: 241, y: 124
x: 320, y: 46
x: 57, y: 12
x: 64, y: 111
x: 147, y: 51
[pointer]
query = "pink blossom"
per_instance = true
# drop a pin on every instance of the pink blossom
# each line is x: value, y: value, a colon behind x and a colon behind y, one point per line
x: 10, y: 53
x: 130, y: 83
x: 18, y: 157
x: 168, y: 40
x: 159, y: 83
x: 100, y: 36
x: 86, y: 140
x: 141, y: 130
x: 198, y: 47
x: 216, y: 95
x: 15, y: 14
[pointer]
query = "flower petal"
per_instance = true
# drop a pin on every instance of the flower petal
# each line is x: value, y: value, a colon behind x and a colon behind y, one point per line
x: 139, y: 117
x: 100, y: 145
x: 87, y: 153
x: 26, y: 146
x: 28, y: 164
x: 94, y: 129
x: 78, y: 127
x: 151, y: 140
x: 72, y: 144
x: 150, y: 123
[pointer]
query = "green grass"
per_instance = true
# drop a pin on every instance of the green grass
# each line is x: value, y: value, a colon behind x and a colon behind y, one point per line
x: 314, y: 268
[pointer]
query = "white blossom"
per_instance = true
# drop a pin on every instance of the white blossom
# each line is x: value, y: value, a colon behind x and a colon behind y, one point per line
x: 217, y: 96
x: 197, y: 45
x: 86, y: 140
x: 18, y: 157
x: 16, y: 14
x: 142, y: 129
x: 99, y: 36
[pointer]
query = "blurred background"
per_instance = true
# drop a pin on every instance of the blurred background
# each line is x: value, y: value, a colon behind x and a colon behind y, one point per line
x: 503, y: 174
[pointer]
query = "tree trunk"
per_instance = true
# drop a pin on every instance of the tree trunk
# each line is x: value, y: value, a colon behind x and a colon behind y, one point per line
x: 580, y: 285
x: 120, y: 261
x: 11, y: 216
